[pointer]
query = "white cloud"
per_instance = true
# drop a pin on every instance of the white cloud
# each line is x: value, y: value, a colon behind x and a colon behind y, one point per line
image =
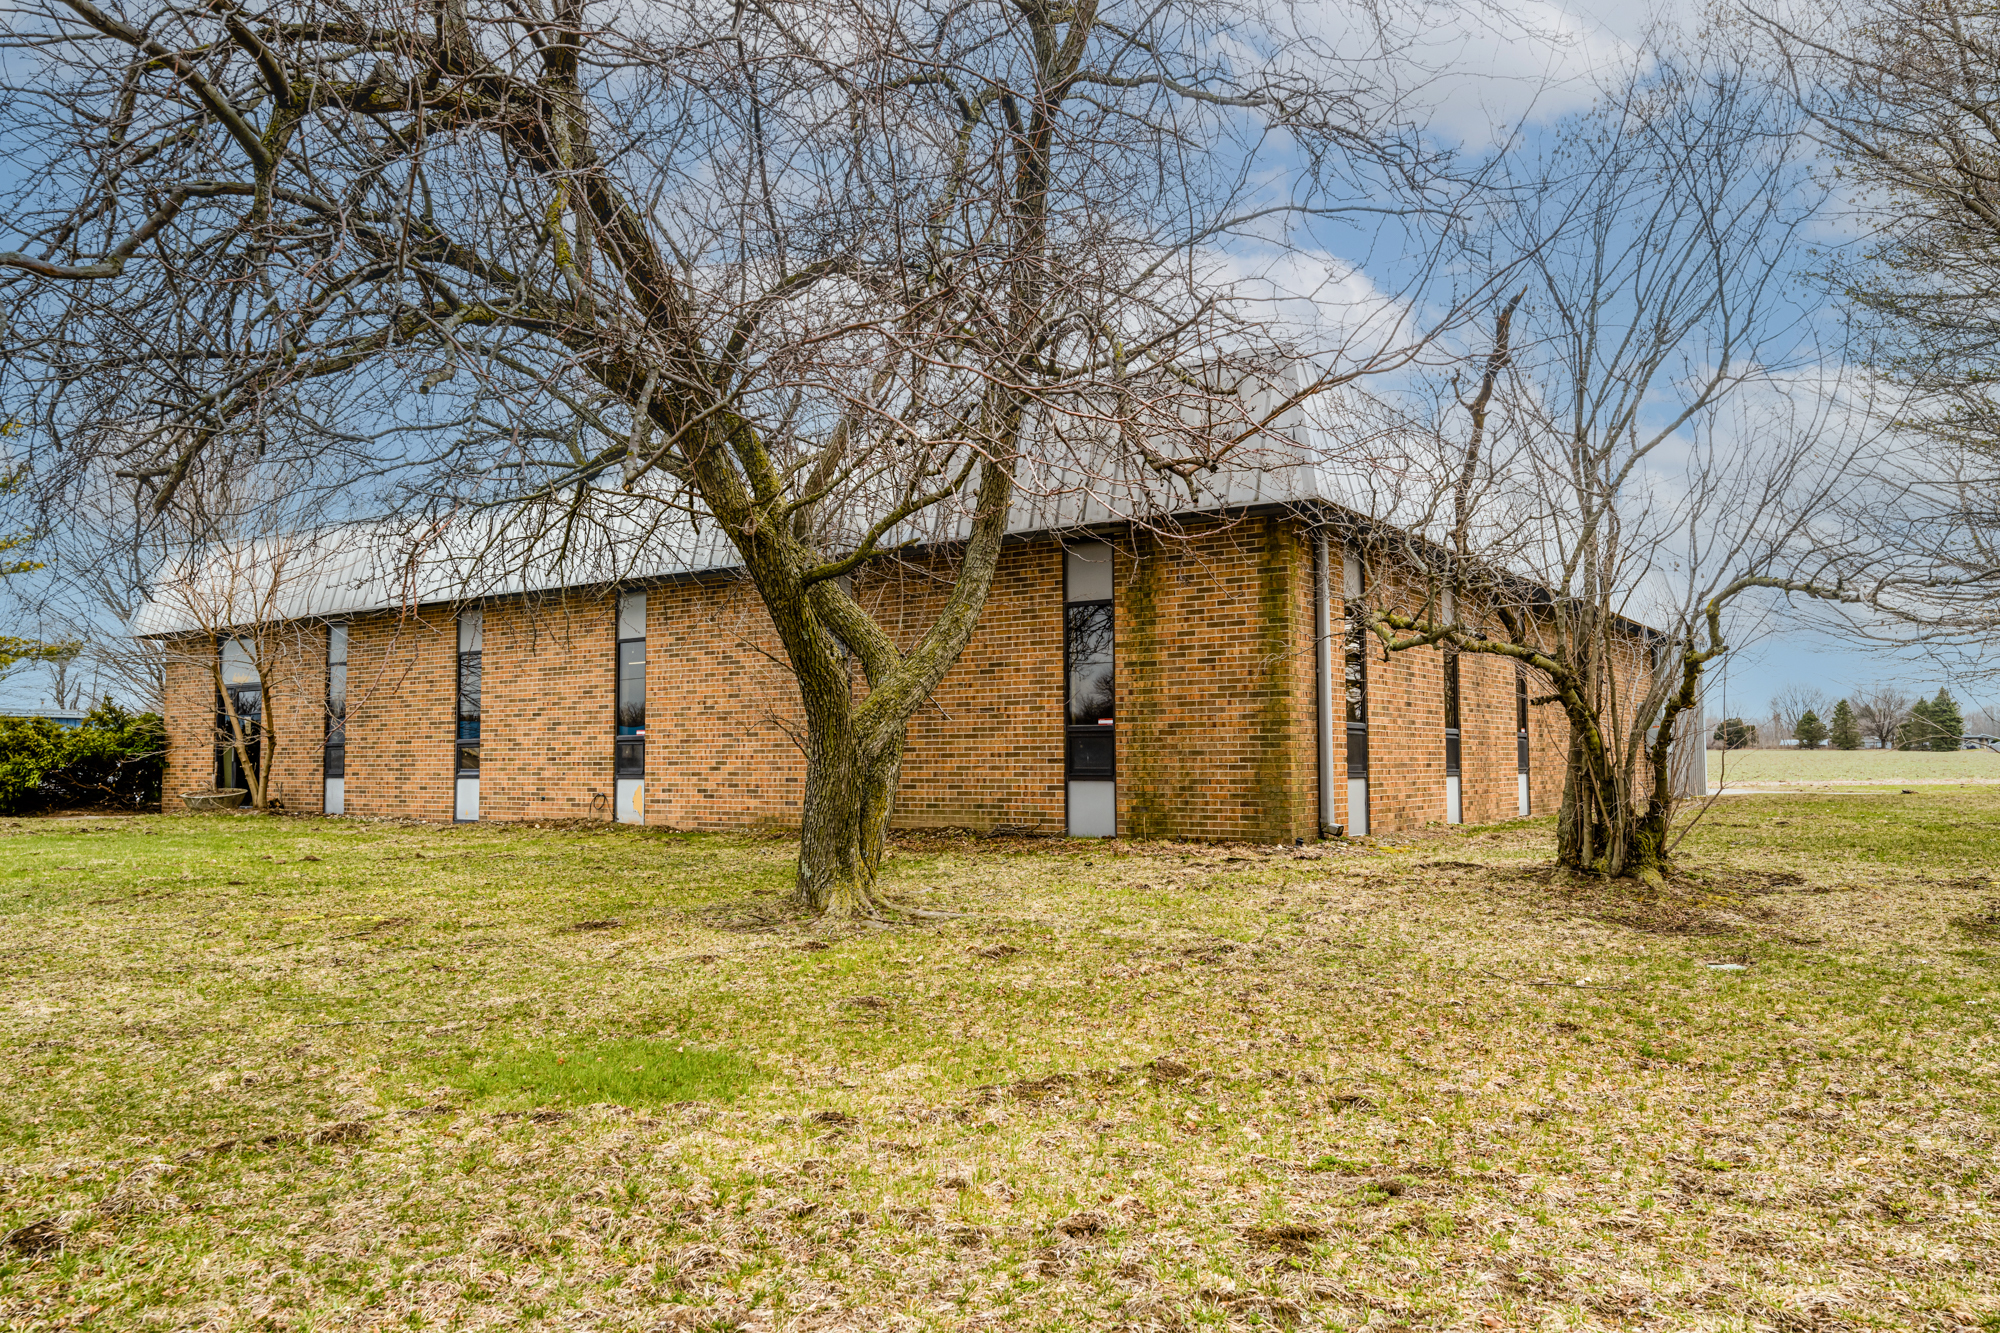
x: 1477, y: 69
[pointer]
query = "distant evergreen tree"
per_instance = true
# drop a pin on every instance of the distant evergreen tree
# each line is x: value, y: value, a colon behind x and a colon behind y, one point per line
x: 1934, y: 724
x: 1846, y: 731
x: 1736, y: 734
x: 1947, y: 723
x: 1810, y: 731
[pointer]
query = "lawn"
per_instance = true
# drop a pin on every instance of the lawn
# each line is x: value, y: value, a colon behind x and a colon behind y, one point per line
x: 301, y: 1073
x: 1851, y: 767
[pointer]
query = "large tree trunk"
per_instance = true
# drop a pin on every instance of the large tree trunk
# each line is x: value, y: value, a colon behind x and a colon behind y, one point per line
x: 1603, y: 830
x: 1604, y: 827
x: 850, y: 797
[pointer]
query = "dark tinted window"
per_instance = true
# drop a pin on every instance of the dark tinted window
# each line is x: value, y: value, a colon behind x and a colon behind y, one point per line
x: 336, y: 701
x: 631, y: 687
x: 471, y: 660
x: 469, y: 671
x: 1092, y: 684
x: 1092, y: 754
x: 1450, y: 690
x: 242, y: 692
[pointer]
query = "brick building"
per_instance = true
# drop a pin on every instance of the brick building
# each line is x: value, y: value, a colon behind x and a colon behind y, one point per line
x: 1119, y: 683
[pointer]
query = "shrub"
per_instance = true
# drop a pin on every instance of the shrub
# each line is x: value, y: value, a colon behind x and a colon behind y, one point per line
x: 114, y: 758
x: 1736, y: 734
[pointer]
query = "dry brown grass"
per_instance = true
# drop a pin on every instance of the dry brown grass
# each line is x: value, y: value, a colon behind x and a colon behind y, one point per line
x: 1158, y: 1086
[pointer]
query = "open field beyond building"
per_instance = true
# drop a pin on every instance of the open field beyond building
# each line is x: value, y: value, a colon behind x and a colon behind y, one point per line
x: 1792, y: 768
x: 304, y: 1073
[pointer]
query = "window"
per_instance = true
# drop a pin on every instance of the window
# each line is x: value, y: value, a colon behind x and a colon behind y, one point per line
x: 630, y: 705
x: 1520, y: 720
x: 1521, y: 735
x: 1354, y: 636
x: 335, y: 754
x: 1357, y: 691
x: 471, y: 644
x: 1454, y: 790
x: 1451, y: 728
x: 241, y: 697
x: 1091, y: 681
x: 1090, y: 693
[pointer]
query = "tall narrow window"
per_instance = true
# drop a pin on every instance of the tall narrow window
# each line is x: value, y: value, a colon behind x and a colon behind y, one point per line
x: 1454, y: 791
x: 1355, y: 636
x: 1521, y: 735
x: 335, y: 753
x: 1089, y: 692
x: 471, y: 649
x: 239, y: 715
x: 628, y: 767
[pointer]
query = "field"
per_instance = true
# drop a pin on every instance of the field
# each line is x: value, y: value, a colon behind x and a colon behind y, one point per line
x: 291, y: 1073
x: 1783, y: 768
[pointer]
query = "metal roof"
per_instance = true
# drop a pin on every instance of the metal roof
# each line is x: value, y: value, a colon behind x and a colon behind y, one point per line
x: 497, y: 552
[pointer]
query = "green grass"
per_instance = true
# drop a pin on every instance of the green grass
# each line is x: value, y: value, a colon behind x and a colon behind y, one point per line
x: 1939, y: 829
x: 1852, y: 767
x: 636, y: 1072
x: 291, y: 1073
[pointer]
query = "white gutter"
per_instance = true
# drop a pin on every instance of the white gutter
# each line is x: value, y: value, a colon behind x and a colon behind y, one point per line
x: 1323, y: 677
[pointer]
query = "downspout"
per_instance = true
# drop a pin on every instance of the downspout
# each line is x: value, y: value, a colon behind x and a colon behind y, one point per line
x: 1323, y: 678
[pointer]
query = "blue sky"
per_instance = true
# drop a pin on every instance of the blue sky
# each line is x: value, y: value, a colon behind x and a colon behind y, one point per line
x: 1532, y: 60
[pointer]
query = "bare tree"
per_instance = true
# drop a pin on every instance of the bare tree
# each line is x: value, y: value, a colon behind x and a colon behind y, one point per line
x: 1793, y: 702
x: 1881, y: 710
x: 229, y: 557
x: 97, y: 561
x: 833, y: 276
x: 1905, y: 95
x: 20, y: 649
x: 1633, y: 456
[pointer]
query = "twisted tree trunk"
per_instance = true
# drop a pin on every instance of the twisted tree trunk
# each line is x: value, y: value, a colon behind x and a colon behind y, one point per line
x: 850, y: 797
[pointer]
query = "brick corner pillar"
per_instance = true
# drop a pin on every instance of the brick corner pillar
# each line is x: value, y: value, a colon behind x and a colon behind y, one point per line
x: 1145, y: 771
x: 1277, y: 710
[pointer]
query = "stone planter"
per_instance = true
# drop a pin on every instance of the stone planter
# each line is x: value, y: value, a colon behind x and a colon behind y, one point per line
x: 227, y: 799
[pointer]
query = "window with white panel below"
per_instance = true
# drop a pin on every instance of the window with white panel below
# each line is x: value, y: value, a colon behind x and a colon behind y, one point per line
x: 466, y: 749
x: 1454, y: 793
x: 1354, y: 635
x: 1090, y: 728
x: 628, y: 759
x: 334, y: 756
x: 1521, y: 738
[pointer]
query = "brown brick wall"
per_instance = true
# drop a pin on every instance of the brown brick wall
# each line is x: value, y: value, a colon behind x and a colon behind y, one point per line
x: 1217, y: 704
x: 988, y: 748
x: 402, y: 672
x: 188, y: 695
x: 550, y: 671
x: 1215, y: 673
x: 722, y: 713
x: 1406, y: 727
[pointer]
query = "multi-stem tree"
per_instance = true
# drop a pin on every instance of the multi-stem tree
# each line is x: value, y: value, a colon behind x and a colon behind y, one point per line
x: 229, y: 557
x: 1628, y: 462
x: 834, y: 276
